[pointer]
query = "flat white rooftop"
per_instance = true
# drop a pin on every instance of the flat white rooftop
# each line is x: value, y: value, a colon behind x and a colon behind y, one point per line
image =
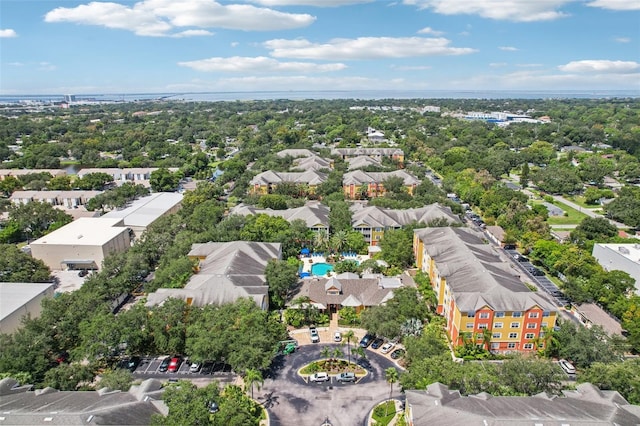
x: 88, y: 231
x: 13, y: 296
x: 144, y: 211
x: 630, y: 251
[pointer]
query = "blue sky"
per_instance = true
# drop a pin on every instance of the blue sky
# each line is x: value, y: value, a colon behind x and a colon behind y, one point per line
x: 154, y: 46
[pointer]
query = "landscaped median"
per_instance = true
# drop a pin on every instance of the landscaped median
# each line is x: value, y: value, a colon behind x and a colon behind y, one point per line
x: 333, y: 367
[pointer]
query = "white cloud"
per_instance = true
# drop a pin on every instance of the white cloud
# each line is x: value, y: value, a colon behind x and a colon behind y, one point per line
x: 317, y: 3
x: 616, y: 4
x: 8, y: 33
x: 258, y: 64
x: 498, y: 64
x: 46, y: 66
x: 159, y: 17
x: 503, y: 10
x: 429, y: 30
x: 623, y: 39
x: 508, y: 48
x: 15, y: 64
x: 411, y: 68
x: 192, y: 33
x: 529, y: 65
x: 364, y: 48
x: 601, y: 66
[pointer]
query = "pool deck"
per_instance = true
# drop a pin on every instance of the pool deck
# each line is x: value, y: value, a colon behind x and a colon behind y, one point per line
x: 315, y: 258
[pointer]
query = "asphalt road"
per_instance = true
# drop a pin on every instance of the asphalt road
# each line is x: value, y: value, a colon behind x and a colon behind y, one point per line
x: 291, y: 400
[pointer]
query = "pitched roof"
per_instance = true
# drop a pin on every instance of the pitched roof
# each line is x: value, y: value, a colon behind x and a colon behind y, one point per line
x: 359, y: 177
x: 295, y: 153
x: 21, y: 406
x: 362, y: 161
x: 587, y: 405
x: 380, y: 152
x: 312, y: 213
x: 475, y: 273
x: 311, y: 163
x: 379, y: 217
x: 310, y: 177
x: 228, y: 272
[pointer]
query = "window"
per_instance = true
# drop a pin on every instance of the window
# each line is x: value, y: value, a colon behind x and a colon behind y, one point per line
x: 471, y: 314
x: 496, y: 335
x: 499, y: 314
x: 529, y: 335
x: 469, y: 325
x: 515, y: 325
x: 544, y: 325
x: 546, y: 314
x: 484, y: 315
x: 497, y: 325
x: 478, y: 335
x: 511, y: 345
x: 532, y: 326
x: 516, y: 314
x: 483, y: 326
x: 533, y: 315
x: 495, y: 346
x: 528, y: 345
x: 513, y: 335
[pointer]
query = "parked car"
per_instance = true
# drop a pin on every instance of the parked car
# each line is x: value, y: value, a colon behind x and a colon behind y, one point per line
x: 130, y: 363
x: 319, y: 377
x: 213, y: 407
x: 366, y: 341
x: 207, y: 367
x: 164, y: 365
x: 346, y: 377
x: 509, y: 246
x: 567, y: 366
x: 377, y: 343
x: 313, y: 333
x: 386, y: 348
x: 364, y: 363
x: 520, y: 258
x: 535, y: 271
x: 398, y: 353
x: 337, y: 337
x: 195, y: 367
x: 174, y: 364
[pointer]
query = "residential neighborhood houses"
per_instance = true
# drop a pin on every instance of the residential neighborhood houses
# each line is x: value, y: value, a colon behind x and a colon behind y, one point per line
x: 418, y: 244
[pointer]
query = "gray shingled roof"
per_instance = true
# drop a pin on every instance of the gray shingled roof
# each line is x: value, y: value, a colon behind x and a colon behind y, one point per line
x: 310, y: 177
x: 476, y: 274
x: 354, y: 152
x: 362, y: 161
x: 360, y: 177
x: 379, y: 217
x: 20, y: 406
x: 587, y: 405
x: 311, y: 163
x: 295, y: 153
x: 313, y: 213
x: 229, y: 271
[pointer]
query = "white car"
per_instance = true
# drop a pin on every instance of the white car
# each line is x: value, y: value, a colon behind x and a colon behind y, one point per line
x: 313, y: 333
x: 337, y: 337
x: 195, y: 367
x: 567, y: 366
x: 386, y: 348
x: 319, y: 377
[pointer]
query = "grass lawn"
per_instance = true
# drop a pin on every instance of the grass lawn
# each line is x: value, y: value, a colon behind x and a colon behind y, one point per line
x: 579, y: 200
x: 380, y: 410
x: 573, y: 216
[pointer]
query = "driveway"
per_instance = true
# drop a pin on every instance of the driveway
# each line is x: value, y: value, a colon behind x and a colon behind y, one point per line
x: 290, y: 400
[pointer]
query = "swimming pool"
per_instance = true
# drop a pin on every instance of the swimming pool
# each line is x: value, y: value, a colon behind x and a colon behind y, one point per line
x: 320, y: 269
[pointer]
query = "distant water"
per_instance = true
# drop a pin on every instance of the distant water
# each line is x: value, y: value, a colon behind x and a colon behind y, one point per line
x: 332, y: 94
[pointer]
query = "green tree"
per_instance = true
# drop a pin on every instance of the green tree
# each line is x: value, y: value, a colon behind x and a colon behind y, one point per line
x: 251, y: 377
x: 394, y: 185
x: 17, y: 266
x: 626, y: 208
x: 118, y: 379
x: 35, y: 218
x: 339, y: 217
x: 349, y: 335
x: 281, y: 277
x: 69, y: 377
x: 391, y: 376
x: 397, y: 247
x: 524, y: 175
x: 623, y: 377
x: 94, y: 181
x: 163, y: 180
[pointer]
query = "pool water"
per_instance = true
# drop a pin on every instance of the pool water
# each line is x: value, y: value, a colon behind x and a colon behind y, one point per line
x: 320, y: 269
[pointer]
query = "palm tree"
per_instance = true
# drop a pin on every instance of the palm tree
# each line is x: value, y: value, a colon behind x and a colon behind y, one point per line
x: 337, y: 353
x: 349, y: 335
x: 252, y: 376
x: 550, y: 341
x: 320, y: 240
x: 411, y: 327
x: 487, y: 334
x: 338, y: 241
x: 325, y: 352
x: 391, y: 375
x: 359, y: 350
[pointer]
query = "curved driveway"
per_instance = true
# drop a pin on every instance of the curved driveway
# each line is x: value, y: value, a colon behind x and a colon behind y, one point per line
x: 290, y: 400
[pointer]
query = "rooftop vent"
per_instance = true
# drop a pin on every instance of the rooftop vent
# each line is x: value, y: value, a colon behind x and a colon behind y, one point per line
x: 623, y: 250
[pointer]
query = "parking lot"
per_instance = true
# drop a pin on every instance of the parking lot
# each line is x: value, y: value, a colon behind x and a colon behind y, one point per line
x: 292, y: 400
x: 149, y: 367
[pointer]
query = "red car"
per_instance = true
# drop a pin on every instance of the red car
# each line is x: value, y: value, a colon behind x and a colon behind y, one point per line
x: 174, y: 364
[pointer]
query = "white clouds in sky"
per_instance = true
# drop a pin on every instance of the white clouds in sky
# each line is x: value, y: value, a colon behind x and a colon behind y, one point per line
x: 601, y: 66
x: 507, y: 10
x: 259, y: 64
x: 364, y: 48
x: 508, y: 48
x: 8, y: 33
x: 317, y: 3
x: 158, y: 17
x: 623, y: 39
x: 429, y: 30
x: 616, y: 4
